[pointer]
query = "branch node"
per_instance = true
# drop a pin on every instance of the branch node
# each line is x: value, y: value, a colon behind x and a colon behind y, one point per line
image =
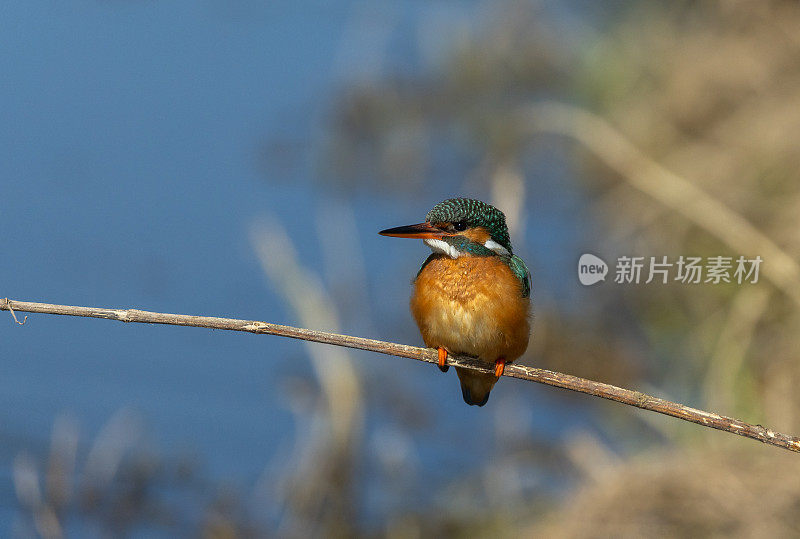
x: 641, y: 399
x: 255, y: 327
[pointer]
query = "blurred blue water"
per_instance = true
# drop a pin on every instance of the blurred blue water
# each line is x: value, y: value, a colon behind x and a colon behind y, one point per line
x: 128, y: 141
x: 129, y: 177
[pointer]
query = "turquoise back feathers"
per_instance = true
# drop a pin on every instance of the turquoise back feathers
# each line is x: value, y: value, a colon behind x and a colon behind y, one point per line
x: 521, y: 271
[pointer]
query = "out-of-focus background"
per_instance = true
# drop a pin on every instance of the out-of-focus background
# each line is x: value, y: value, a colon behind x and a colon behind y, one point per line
x: 238, y: 158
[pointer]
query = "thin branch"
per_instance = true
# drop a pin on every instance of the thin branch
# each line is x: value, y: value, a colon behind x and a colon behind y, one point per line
x: 542, y: 376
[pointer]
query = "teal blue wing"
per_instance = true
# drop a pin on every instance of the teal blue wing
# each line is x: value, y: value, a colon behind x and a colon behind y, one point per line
x: 521, y: 271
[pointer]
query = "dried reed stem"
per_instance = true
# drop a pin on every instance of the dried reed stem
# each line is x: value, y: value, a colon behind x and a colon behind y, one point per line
x: 673, y: 191
x: 542, y: 376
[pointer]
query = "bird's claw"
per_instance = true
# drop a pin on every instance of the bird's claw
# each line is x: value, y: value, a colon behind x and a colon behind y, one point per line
x: 442, y: 363
x: 499, y: 367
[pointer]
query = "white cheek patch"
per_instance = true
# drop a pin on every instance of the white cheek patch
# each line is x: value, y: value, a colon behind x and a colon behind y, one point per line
x: 440, y: 246
x: 496, y: 247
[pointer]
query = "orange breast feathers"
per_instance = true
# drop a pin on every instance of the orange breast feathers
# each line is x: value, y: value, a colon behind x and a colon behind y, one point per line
x: 472, y: 305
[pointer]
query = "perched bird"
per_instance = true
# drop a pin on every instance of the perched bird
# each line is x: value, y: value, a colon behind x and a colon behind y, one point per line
x: 472, y: 294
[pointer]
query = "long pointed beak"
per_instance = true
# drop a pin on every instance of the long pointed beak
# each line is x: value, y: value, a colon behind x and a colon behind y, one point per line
x: 420, y: 231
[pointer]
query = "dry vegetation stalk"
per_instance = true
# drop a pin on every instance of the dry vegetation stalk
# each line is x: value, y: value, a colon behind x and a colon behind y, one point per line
x: 542, y: 376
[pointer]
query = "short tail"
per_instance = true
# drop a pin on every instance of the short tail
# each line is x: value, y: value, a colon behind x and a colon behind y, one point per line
x: 475, y: 386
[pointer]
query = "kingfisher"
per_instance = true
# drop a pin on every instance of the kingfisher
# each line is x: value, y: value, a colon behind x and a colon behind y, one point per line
x: 472, y: 294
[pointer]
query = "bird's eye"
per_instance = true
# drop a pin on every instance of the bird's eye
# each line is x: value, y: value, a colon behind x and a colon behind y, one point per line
x: 460, y: 225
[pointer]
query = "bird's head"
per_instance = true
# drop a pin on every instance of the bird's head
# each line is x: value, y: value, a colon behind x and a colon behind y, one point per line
x: 459, y: 226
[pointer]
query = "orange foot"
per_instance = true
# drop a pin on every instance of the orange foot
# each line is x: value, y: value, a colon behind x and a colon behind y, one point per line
x: 499, y: 367
x: 443, y: 366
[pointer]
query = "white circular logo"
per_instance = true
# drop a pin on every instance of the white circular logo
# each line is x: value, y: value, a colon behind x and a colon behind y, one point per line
x: 591, y: 269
